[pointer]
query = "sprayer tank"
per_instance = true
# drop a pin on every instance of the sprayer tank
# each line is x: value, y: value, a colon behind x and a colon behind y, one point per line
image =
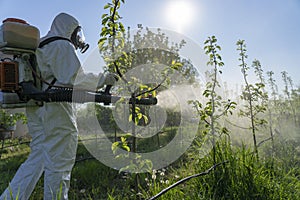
x: 18, y: 34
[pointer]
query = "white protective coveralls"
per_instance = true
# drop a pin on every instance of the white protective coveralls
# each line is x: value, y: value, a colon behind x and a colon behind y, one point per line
x: 53, y: 126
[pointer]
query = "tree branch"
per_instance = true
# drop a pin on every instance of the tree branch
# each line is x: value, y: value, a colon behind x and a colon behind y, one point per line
x: 237, y: 125
x: 265, y: 140
x: 186, y: 179
x: 148, y: 91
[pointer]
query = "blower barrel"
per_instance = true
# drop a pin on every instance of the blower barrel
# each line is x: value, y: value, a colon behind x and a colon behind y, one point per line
x: 78, y: 96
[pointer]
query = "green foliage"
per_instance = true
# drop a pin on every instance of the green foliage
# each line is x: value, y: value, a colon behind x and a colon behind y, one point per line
x: 273, y: 86
x: 137, y: 165
x: 10, y: 119
x: 111, y: 40
x: 289, y: 93
x: 122, y: 52
x: 123, y: 144
x: 215, y: 107
x: 242, y: 176
x: 253, y: 94
x: 211, y: 49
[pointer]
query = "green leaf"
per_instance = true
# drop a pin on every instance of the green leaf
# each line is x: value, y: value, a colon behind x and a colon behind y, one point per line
x: 114, y: 146
x: 125, y: 147
x: 107, y: 5
x: 145, y: 119
x: 123, y: 139
x: 104, y: 15
x: 137, y: 109
x: 139, y: 115
x: 130, y: 118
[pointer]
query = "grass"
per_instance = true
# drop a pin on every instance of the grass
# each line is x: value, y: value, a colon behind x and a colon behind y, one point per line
x: 242, y: 177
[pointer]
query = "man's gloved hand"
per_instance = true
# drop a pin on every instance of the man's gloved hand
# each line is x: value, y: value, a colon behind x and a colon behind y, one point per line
x: 107, y: 79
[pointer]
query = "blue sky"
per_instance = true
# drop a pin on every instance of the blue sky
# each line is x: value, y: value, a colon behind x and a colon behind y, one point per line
x: 271, y: 28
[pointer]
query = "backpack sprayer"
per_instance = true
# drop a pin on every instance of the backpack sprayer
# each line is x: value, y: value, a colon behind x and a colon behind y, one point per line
x: 20, y: 85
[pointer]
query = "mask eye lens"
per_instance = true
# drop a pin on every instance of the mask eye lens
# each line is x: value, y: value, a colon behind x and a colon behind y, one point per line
x: 80, y: 35
x: 79, y: 40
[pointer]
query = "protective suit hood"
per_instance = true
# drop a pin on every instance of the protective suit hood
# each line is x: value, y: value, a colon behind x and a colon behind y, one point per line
x: 63, y: 25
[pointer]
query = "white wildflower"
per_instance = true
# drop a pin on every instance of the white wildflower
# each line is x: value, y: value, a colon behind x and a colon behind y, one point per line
x: 82, y: 191
x: 153, y: 176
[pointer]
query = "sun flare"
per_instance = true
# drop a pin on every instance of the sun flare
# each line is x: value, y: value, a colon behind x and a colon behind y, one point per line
x: 179, y: 14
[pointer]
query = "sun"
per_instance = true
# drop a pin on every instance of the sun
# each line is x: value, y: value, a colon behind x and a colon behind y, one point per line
x: 179, y: 14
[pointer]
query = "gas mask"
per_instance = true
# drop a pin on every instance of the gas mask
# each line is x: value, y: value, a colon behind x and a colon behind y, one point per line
x: 78, y: 40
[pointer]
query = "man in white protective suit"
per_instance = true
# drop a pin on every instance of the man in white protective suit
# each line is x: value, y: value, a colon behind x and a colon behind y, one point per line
x: 53, y: 126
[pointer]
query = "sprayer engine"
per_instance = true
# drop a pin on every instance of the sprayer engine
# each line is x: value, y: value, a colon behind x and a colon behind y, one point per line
x: 18, y: 42
x: 19, y: 84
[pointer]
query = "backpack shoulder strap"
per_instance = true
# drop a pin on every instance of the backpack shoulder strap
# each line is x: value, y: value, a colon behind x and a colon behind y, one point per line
x: 51, y: 39
x: 47, y: 41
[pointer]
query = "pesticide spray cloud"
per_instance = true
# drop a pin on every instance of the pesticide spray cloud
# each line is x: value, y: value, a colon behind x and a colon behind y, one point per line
x: 173, y: 93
